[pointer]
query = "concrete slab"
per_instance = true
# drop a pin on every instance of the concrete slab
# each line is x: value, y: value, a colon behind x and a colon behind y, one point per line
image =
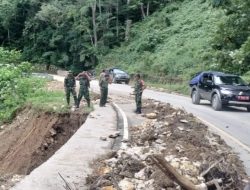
x: 72, y: 160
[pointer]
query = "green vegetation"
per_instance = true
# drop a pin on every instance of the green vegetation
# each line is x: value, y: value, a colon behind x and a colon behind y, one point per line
x: 18, y: 88
x: 159, y: 38
x: 170, y: 46
x: 53, y: 101
x: 68, y: 33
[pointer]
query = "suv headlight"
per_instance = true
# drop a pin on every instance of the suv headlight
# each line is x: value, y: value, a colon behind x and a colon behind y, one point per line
x: 226, y: 92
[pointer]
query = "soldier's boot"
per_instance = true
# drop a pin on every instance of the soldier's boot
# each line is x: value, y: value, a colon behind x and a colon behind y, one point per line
x: 78, y: 104
x: 139, y: 110
x: 76, y: 101
x: 136, y: 111
x: 68, y: 99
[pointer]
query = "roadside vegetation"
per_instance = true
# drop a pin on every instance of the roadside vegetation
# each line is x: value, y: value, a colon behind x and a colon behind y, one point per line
x: 167, y: 41
x: 19, y: 88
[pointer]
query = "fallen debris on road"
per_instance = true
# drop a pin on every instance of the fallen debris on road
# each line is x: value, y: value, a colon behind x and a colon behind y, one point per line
x: 171, y: 150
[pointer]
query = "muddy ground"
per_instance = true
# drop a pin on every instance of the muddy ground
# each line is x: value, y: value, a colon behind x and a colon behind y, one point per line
x: 179, y: 140
x: 33, y: 137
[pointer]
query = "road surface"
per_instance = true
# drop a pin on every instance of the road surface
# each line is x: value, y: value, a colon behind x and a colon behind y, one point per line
x: 232, y: 124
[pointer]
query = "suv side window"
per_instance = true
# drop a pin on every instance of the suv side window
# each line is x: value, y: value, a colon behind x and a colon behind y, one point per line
x: 204, y: 78
x: 210, y: 79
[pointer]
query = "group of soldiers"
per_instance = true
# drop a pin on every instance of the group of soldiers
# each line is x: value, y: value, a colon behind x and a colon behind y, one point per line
x: 70, y: 85
x: 104, y: 81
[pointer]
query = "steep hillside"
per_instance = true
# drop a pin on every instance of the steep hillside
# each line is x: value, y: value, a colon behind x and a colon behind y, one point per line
x: 175, y: 41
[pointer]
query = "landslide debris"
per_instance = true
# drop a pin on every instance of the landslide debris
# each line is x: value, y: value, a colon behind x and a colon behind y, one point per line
x: 179, y: 140
x: 32, y: 138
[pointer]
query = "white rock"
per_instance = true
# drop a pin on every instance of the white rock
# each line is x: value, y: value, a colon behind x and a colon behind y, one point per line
x: 148, y: 185
x: 175, y: 164
x: 159, y: 141
x: 126, y: 184
x: 166, y: 124
x: 140, y: 175
x: 111, y: 162
x: 181, y: 128
x: 169, y: 158
x: 183, y: 121
x: 151, y: 115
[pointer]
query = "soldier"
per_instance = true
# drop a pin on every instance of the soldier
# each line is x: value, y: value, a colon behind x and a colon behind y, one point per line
x: 69, y: 86
x: 104, y: 89
x: 84, y: 81
x: 102, y: 74
x: 139, y: 87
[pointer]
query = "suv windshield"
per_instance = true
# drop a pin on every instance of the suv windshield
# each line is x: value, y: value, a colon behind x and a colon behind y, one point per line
x: 117, y: 71
x: 229, y: 80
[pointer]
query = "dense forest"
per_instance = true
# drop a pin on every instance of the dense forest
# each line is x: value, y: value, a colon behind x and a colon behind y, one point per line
x: 165, y: 36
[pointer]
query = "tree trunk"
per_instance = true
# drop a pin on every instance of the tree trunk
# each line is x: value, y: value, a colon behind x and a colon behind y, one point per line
x: 142, y: 11
x: 8, y: 35
x: 100, y: 8
x: 128, y: 26
x: 117, y: 19
x: 148, y: 5
x: 94, y: 22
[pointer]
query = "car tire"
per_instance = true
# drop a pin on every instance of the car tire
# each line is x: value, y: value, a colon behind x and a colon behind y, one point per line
x: 248, y: 108
x: 216, y: 102
x: 196, y: 97
x: 126, y: 82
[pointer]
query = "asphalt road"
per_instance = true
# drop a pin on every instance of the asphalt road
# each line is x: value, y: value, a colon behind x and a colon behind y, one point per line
x: 232, y: 124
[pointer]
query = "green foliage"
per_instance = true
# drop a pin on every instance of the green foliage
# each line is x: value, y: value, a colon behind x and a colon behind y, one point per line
x: 9, y: 57
x: 232, y: 41
x: 179, y: 49
x: 53, y: 101
x: 71, y: 34
x: 15, y: 87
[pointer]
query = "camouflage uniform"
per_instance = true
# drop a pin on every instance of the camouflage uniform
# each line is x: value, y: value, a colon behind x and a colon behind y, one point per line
x: 84, y: 88
x: 104, y: 90
x: 69, y: 85
x: 139, y: 87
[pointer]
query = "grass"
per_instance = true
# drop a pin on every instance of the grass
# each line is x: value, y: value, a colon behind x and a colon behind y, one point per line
x: 180, y: 88
x: 53, y: 101
x: 179, y: 47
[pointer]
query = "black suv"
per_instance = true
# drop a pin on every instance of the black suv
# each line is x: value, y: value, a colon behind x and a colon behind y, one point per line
x: 220, y: 89
x: 119, y: 76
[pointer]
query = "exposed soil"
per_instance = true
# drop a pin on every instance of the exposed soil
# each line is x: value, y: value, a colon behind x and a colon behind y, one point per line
x: 181, y: 141
x: 33, y: 137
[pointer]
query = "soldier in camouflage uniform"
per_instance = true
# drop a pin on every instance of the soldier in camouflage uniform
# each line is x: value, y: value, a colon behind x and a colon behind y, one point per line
x: 69, y: 85
x: 84, y: 81
x: 139, y: 87
x: 103, y: 83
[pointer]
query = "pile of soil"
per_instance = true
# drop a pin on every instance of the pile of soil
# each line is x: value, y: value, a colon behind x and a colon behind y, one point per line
x: 179, y: 140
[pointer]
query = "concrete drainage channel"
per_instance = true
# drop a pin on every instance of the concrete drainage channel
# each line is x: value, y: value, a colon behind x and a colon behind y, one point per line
x: 122, y: 127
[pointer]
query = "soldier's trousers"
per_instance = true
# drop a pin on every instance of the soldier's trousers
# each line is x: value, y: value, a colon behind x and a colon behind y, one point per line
x: 83, y: 92
x: 72, y: 91
x: 104, y: 96
x: 138, y: 97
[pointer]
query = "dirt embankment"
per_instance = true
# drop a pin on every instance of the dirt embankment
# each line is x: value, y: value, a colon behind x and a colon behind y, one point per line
x: 32, y: 138
x: 170, y: 139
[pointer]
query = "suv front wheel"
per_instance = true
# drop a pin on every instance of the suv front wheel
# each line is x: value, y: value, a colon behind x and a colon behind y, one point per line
x: 248, y: 108
x: 216, y: 102
x: 195, y: 97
